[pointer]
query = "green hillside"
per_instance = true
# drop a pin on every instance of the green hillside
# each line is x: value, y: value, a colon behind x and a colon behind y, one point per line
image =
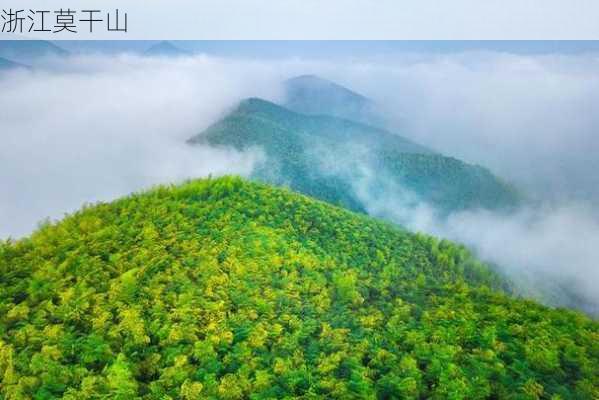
x: 299, y: 146
x: 224, y: 289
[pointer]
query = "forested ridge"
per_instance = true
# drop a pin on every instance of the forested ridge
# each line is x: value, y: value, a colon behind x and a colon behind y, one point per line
x: 324, y: 156
x: 226, y: 289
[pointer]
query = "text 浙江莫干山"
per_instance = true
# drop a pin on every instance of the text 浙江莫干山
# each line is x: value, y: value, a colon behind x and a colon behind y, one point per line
x: 62, y: 21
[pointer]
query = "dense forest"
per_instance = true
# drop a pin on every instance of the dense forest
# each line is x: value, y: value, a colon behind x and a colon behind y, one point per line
x: 324, y: 156
x: 225, y: 289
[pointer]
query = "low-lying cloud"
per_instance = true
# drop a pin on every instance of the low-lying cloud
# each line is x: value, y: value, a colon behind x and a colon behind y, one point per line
x: 531, y: 119
x: 549, y: 251
x: 96, y: 128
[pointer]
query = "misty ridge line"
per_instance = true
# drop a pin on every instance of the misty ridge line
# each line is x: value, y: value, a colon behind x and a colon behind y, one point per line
x: 144, y: 109
x: 547, y: 251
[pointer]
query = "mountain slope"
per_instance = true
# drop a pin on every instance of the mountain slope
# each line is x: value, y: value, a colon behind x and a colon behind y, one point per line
x: 310, y: 94
x: 29, y: 51
x: 332, y: 158
x: 228, y: 289
x: 7, y: 64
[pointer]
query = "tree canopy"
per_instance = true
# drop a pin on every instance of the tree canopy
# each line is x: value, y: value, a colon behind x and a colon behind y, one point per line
x: 225, y: 289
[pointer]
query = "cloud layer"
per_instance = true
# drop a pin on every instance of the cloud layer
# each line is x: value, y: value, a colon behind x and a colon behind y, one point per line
x: 94, y: 128
x: 532, y: 119
x: 97, y: 128
x: 549, y: 251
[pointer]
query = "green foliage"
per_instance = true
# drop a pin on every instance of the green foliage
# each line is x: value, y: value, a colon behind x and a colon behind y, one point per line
x: 449, y: 183
x: 223, y: 289
x: 322, y: 156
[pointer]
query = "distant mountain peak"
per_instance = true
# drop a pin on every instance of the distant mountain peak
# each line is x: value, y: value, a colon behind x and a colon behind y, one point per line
x: 314, y: 82
x: 311, y: 94
x: 165, y: 48
x: 29, y: 51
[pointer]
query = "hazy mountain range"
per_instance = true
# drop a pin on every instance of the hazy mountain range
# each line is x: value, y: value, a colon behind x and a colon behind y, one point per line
x: 319, y: 151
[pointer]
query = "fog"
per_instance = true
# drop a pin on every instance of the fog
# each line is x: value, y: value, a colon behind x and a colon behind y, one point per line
x: 93, y: 128
x: 530, y: 119
x: 88, y: 129
x: 533, y: 120
x: 549, y: 251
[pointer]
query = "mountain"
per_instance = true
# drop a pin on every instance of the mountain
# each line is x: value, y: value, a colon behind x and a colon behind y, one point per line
x: 228, y: 289
x: 29, y: 51
x: 165, y: 49
x: 8, y: 65
x: 341, y: 161
x: 310, y: 94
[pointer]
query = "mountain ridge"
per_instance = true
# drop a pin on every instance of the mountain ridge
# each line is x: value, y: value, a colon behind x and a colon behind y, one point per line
x: 323, y: 156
